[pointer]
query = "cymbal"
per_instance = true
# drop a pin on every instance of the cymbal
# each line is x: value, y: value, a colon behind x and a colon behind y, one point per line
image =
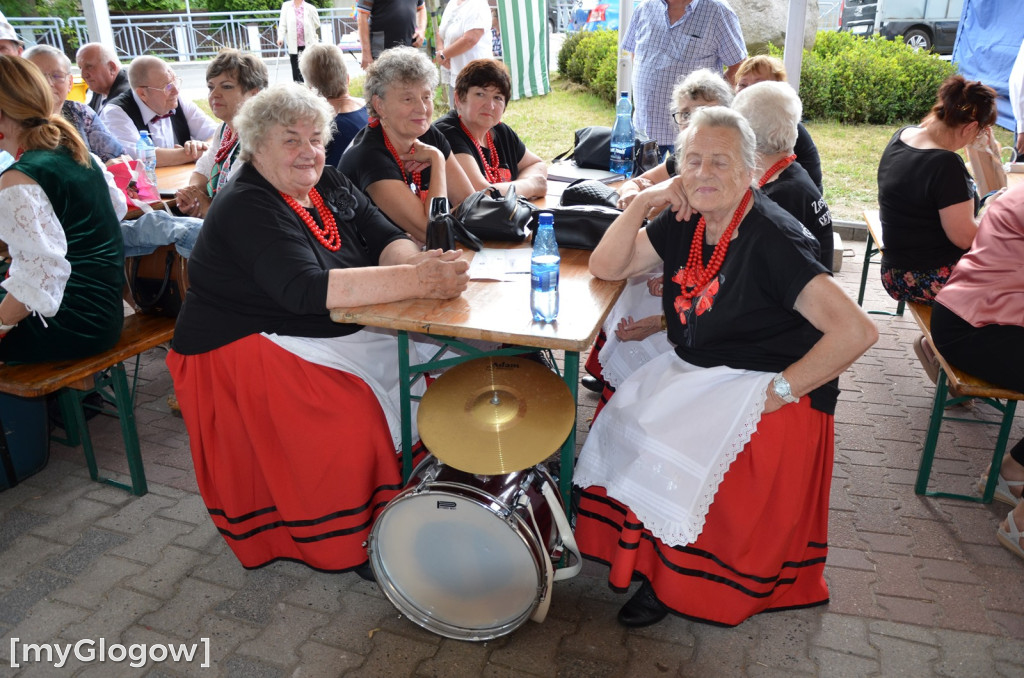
x: 496, y: 415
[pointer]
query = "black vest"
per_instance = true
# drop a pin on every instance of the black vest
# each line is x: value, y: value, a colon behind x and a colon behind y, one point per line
x: 179, y: 123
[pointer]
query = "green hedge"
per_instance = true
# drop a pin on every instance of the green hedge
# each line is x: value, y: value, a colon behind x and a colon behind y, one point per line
x: 845, y: 77
x: 873, y: 80
x: 591, y: 59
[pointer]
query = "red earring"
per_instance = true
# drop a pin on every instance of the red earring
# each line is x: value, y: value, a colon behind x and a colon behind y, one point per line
x: 1, y: 135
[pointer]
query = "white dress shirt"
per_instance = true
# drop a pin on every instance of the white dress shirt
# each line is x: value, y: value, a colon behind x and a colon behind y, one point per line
x: 200, y: 126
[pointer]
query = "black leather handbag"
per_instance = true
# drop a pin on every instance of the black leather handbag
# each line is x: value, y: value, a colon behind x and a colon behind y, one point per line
x: 489, y: 215
x: 444, y: 228
x: 581, y: 226
x: 589, y: 192
x: 592, y: 149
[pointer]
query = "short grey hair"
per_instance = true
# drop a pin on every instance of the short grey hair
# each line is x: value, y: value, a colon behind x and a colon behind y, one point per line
x: 701, y: 84
x: 721, y: 117
x: 323, y: 68
x: 406, y: 65
x: 284, y: 104
x: 773, y: 110
x: 108, y: 54
x: 51, y: 51
x: 142, y: 68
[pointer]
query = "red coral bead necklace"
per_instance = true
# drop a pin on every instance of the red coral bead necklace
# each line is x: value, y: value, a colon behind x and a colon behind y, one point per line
x: 328, y: 235
x: 695, y: 276
x: 775, y: 169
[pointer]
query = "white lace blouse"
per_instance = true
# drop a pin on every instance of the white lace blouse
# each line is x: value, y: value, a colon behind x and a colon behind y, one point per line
x: 38, y: 247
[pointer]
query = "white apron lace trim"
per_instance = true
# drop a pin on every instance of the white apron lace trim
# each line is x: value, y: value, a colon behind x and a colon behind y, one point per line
x: 662, y: 445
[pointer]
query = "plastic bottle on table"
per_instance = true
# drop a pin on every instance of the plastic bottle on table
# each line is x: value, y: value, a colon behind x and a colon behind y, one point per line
x: 622, y: 138
x: 544, y: 270
x: 145, y: 149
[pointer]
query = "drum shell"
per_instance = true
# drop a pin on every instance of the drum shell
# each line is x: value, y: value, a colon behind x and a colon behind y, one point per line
x: 497, y: 498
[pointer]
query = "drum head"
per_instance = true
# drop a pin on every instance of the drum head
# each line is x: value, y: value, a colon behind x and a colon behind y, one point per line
x: 453, y: 566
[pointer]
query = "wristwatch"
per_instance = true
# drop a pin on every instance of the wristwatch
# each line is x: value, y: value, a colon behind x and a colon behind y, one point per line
x: 440, y: 55
x: 783, y: 389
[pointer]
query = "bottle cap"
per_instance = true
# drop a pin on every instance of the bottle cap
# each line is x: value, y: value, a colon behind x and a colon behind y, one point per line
x: 546, y: 219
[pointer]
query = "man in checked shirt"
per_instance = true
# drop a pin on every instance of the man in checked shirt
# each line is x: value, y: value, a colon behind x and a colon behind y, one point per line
x: 669, y: 39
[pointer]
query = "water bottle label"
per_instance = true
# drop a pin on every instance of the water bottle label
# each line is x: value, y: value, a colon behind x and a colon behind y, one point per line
x: 544, y: 281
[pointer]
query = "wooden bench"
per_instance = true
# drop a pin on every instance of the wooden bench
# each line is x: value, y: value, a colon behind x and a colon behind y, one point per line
x: 955, y: 386
x: 103, y: 373
x: 873, y: 247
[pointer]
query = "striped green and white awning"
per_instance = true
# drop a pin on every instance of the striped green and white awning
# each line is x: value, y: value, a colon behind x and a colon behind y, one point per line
x: 525, y: 45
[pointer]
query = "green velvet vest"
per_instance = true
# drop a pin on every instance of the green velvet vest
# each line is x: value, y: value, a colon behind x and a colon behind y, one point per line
x: 90, y: 316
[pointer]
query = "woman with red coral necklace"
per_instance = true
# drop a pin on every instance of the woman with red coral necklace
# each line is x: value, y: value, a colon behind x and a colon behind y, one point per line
x: 400, y: 159
x: 490, y: 151
x: 707, y: 476
x: 292, y: 417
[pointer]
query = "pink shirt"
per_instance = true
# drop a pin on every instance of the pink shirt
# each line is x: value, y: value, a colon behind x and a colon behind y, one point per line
x: 300, y: 29
x: 987, y: 285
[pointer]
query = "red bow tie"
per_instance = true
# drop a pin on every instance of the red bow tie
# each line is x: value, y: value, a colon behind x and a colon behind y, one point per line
x: 161, y: 117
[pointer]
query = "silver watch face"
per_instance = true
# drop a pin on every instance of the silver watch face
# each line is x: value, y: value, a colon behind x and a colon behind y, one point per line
x: 782, y: 388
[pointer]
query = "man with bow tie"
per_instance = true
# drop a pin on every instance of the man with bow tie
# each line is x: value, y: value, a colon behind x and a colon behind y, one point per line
x: 180, y: 130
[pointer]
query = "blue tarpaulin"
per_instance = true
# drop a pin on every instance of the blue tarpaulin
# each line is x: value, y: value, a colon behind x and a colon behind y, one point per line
x: 990, y: 35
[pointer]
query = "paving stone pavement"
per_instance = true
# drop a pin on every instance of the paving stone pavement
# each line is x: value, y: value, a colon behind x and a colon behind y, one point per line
x: 919, y: 586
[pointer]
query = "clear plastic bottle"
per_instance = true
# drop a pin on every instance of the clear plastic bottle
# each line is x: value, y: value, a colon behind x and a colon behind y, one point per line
x: 622, y: 138
x: 145, y: 149
x: 544, y: 270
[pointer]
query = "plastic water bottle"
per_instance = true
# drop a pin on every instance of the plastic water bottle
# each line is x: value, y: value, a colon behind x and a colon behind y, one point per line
x: 622, y: 138
x: 145, y: 149
x: 544, y: 270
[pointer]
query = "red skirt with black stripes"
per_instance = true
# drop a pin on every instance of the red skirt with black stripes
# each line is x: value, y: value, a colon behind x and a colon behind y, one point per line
x: 294, y: 460
x: 764, y: 542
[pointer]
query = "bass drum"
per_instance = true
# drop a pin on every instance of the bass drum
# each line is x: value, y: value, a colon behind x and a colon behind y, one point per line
x: 460, y: 554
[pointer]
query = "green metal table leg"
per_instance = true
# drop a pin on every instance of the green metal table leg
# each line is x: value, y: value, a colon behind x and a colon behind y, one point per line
x: 405, y: 396
x: 572, y: 378
x: 869, y: 251
x: 129, y: 432
x: 1009, y: 409
x: 938, y: 406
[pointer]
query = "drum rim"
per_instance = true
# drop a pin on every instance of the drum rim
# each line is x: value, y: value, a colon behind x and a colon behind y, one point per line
x: 420, y: 616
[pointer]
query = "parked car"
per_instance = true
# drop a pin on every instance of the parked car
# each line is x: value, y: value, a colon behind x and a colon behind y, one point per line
x: 922, y: 24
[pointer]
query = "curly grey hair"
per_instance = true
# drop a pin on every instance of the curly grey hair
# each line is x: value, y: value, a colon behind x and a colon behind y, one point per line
x: 405, y: 65
x: 701, y: 84
x: 284, y: 104
x: 39, y: 49
x: 773, y: 110
x: 721, y: 117
x: 323, y: 68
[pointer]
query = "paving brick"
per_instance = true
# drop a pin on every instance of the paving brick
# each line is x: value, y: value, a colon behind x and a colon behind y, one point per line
x: 836, y: 664
x: 147, y: 546
x: 534, y: 649
x: 289, y: 629
x: 16, y: 604
x: 121, y: 609
x: 183, y: 615
x: 15, y: 522
x: 843, y: 633
x: 256, y: 602
x: 203, y: 537
x: 393, y: 655
x: 91, y: 587
x: 224, y: 570
x: 162, y: 578
x: 80, y: 516
x: 649, y: 658
x: 49, y: 618
x: 318, y: 661
x: 247, y: 667
x: 131, y: 519
x: 361, y: 617
x: 853, y: 559
x: 320, y: 592
x: 603, y: 636
x: 901, y: 657
x: 188, y: 509
x: 722, y: 652
x: 91, y: 545
x: 24, y: 556
x: 850, y: 592
x: 455, y: 658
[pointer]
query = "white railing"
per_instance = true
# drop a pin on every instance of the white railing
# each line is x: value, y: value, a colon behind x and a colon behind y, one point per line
x: 202, y: 35
x: 39, y: 30
x: 828, y: 14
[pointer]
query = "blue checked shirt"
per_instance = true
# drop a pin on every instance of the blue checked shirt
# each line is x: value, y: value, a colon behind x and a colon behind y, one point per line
x: 707, y: 36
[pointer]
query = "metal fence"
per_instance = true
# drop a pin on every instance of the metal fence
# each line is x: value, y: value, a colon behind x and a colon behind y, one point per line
x: 828, y: 14
x: 39, y: 29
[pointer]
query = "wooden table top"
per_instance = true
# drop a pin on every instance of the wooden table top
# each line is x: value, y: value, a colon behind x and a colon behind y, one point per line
x: 500, y: 311
x: 170, y: 179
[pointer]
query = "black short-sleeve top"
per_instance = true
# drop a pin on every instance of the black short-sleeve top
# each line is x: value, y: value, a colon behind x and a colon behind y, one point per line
x: 368, y: 160
x: 507, y: 143
x: 745, y: 317
x: 256, y: 266
x: 795, y: 192
x: 913, y: 185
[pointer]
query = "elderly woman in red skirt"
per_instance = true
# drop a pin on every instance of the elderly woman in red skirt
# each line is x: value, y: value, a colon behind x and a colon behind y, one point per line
x: 707, y: 474
x: 292, y: 418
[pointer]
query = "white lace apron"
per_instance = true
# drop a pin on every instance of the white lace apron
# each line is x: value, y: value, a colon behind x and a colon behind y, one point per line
x: 619, y: 359
x: 662, y: 445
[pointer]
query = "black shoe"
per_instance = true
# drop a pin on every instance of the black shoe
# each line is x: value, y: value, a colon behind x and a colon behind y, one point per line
x: 592, y: 384
x: 366, y: 572
x: 643, y: 609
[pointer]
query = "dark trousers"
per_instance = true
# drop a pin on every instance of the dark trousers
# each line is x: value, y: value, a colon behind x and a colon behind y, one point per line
x: 989, y: 352
x: 296, y: 74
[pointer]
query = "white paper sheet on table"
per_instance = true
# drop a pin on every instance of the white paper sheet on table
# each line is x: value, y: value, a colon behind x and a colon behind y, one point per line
x: 500, y: 265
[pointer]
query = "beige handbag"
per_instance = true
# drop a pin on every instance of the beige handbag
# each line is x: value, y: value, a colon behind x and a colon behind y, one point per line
x: 986, y: 164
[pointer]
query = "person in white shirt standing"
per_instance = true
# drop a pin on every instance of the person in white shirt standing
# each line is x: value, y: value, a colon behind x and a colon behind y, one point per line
x: 297, y: 26
x: 179, y: 129
x: 464, y: 35
x: 1017, y: 100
